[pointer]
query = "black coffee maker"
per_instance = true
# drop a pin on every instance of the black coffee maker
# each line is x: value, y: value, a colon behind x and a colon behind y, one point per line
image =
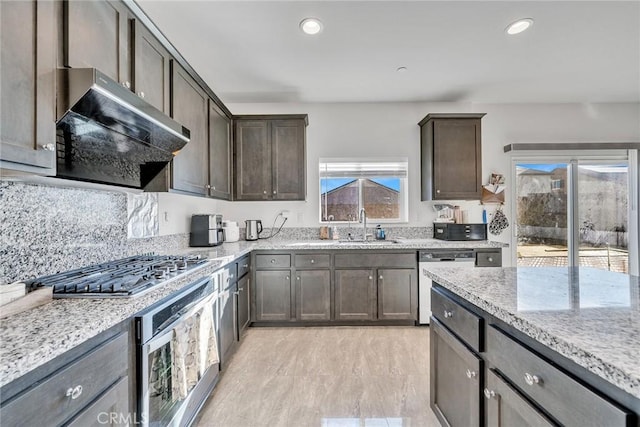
x: 206, y: 230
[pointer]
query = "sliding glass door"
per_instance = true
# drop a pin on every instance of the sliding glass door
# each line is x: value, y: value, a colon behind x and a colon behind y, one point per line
x: 573, y: 213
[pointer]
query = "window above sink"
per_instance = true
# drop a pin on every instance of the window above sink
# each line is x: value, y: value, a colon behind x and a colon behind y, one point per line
x: 378, y: 186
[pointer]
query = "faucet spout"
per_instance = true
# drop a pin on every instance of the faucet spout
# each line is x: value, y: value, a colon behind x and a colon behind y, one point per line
x: 363, y: 219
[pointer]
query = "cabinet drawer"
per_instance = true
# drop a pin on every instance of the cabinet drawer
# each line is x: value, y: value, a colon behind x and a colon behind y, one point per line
x: 407, y: 260
x: 489, y: 259
x: 113, y: 403
x: 461, y: 321
x: 244, y: 265
x: 564, y: 398
x: 273, y: 261
x: 313, y: 260
x: 48, y: 403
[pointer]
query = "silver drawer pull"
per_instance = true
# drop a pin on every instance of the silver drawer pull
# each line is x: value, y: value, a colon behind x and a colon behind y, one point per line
x: 313, y: 261
x: 287, y: 278
x: 489, y: 394
x: 74, y: 392
x: 531, y: 379
x: 240, y: 289
x: 471, y: 374
x: 448, y: 314
x: 297, y: 277
x: 273, y: 261
x: 48, y: 147
x: 490, y: 259
x: 370, y: 277
x: 245, y: 266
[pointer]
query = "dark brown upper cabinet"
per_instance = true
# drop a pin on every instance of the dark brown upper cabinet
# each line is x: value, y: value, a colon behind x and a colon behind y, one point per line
x: 27, y: 83
x: 451, y: 156
x: 151, y: 68
x: 98, y: 35
x: 270, y: 157
x: 219, y: 153
x: 190, y: 107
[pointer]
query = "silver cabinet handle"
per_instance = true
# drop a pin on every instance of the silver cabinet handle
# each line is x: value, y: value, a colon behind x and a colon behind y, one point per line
x: 274, y: 191
x: 240, y: 289
x: 490, y: 259
x: 380, y: 277
x: 273, y: 261
x: 207, y: 186
x: 236, y: 293
x: 531, y: 379
x: 370, y: 277
x: 245, y: 266
x: 231, y: 276
x: 448, y: 314
x: 471, y: 374
x: 489, y: 393
x: 48, y: 147
x: 313, y: 261
x: 141, y: 94
x: 438, y: 191
x: 264, y: 192
x: 287, y: 277
x: 126, y: 84
x: 297, y: 277
x: 74, y: 392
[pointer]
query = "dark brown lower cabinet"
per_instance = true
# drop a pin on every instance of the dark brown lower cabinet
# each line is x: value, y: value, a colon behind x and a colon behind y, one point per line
x: 355, y: 294
x: 313, y: 295
x: 397, y: 294
x: 506, y: 407
x: 273, y: 295
x: 455, y: 379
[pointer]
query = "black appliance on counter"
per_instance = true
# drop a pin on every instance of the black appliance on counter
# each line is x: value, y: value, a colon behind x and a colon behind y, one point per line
x: 206, y: 230
x: 459, y: 232
x: 126, y: 277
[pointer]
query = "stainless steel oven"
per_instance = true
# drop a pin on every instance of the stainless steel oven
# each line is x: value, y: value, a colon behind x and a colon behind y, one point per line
x: 177, y: 355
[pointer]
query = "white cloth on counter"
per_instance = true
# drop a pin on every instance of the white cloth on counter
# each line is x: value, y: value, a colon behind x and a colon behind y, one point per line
x: 194, y: 348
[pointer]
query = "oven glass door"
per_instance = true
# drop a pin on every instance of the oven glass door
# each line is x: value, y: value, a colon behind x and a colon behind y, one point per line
x: 175, y: 354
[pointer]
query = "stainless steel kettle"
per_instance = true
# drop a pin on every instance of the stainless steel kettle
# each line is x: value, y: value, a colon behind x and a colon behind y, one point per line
x: 253, y: 229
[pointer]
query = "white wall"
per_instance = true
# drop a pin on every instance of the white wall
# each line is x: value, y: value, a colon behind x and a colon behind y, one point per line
x: 390, y: 129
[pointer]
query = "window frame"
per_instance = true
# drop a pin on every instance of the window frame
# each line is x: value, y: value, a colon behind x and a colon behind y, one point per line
x: 575, y: 158
x: 403, y: 196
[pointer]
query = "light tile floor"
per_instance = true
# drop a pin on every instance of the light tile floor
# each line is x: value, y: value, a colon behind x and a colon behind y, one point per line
x: 325, y: 377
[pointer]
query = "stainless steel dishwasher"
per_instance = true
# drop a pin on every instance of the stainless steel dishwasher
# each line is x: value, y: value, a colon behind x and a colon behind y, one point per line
x: 467, y: 257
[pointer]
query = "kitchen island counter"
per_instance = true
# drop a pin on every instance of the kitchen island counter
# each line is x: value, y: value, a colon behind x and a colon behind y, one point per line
x: 589, y: 316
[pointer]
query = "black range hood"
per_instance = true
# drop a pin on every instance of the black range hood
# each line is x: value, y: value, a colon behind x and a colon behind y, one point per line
x: 107, y: 134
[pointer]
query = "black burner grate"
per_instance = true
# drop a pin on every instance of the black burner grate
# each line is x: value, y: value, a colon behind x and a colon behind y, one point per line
x: 123, y: 277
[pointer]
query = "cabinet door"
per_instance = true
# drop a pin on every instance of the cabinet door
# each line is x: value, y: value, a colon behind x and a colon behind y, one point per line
x: 98, y: 36
x: 273, y: 295
x: 253, y: 165
x: 457, y: 161
x: 27, y: 104
x: 313, y: 295
x: 455, y: 379
x: 113, y: 403
x: 152, y: 64
x: 288, y: 160
x: 355, y: 295
x: 243, y: 305
x: 397, y: 294
x: 505, y: 406
x: 189, y: 106
x: 219, y: 153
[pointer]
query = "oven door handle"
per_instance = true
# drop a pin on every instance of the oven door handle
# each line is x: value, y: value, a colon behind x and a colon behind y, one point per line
x: 158, y: 341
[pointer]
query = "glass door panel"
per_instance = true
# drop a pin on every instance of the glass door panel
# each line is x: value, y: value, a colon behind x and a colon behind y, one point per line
x: 541, y: 190
x: 603, y: 207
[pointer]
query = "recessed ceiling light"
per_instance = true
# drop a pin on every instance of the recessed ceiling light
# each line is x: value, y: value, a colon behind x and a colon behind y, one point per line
x: 519, y: 26
x: 401, y: 69
x: 311, y: 26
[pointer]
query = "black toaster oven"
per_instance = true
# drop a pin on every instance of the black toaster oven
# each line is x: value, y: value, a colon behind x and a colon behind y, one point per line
x: 448, y: 231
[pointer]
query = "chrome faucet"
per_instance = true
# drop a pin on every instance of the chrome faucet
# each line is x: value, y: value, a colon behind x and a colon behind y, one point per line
x: 362, y: 217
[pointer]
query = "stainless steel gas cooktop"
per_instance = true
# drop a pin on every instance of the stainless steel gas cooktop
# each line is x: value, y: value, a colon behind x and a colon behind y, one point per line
x: 126, y: 277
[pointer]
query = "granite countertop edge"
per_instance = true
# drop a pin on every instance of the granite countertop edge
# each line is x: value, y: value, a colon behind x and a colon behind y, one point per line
x: 581, y: 357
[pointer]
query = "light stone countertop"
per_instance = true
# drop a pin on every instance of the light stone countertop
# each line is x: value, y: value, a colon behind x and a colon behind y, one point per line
x: 34, y: 337
x: 589, y: 316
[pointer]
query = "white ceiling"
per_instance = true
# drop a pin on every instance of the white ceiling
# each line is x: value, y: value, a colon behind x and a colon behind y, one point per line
x: 254, y: 51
